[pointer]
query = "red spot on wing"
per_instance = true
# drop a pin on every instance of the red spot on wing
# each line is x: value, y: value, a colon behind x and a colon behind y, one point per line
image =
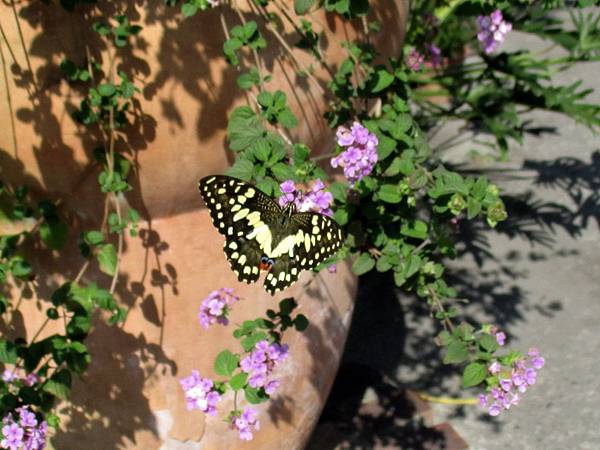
x: 265, y: 266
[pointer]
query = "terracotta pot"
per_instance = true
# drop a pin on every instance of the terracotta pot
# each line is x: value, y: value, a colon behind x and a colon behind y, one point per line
x: 130, y: 397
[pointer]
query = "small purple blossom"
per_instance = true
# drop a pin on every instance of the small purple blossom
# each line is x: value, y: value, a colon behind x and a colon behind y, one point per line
x: 27, y: 434
x: 10, y: 375
x: 509, y: 390
x: 31, y: 379
x: 494, y: 368
x: 492, y: 31
x: 414, y: 61
x: 245, y: 421
x: 13, y: 436
x: 435, y: 55
x: 500, y: 338
x: 216, y: 306
x: 260, y: 364
x: 360, y: 155
x: 200, y: 393
x: 317, y: 199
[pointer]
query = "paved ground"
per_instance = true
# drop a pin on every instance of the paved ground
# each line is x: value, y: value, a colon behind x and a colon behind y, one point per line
x: 538, y: 278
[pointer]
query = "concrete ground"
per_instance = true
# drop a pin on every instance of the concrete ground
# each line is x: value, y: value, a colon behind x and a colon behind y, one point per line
x: 537, y: 277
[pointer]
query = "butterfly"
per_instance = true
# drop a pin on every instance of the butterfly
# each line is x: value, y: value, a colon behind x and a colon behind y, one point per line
x: 261, y: 235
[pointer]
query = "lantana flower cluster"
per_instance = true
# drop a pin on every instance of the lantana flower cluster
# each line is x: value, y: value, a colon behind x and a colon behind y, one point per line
x: 24, y: 433
x: 513, y: 382
x: 17, y: 375
x: 216, y: 306
x: 200, y: 393
x: 492, y: 31
x: 260, y: 364
x: 414, y: 60
x: 244, y: 423
x: 360, y: 155
x: 317, y: 199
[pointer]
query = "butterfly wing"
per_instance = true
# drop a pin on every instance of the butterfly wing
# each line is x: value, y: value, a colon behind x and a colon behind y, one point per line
x: 242, y: 214
x: 317, y: 238
x: 313, y: 238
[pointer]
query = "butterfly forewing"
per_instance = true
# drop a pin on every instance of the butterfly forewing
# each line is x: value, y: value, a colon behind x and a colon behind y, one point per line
x: 256, y: 227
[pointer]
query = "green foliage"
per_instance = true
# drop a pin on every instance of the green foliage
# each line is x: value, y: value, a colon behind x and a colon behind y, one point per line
x: 246, y: 35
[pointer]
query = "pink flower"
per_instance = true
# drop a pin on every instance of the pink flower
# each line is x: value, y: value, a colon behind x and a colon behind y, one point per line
x: 245, y: 421
x: 216, y: 306
x: 360, y: 157
x: 414, y: 61
x: 492, y: 30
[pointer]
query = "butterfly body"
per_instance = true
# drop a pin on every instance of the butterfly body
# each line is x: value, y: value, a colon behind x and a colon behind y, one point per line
x: 261, y: 235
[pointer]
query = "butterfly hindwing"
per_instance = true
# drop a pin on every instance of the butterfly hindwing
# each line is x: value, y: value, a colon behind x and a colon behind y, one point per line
x: 283, y: 274
x: 244, y: 258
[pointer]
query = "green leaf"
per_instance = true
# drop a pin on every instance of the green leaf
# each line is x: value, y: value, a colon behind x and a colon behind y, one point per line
x: 54, y: 234
x: 473, y: 207
x: 225, y: 363
x: 261, y: 150
x: 287, y: 118
x: 238, y: 381
x: 20, y: 268
x: 383, y: 264
x: 79, y: 326
x: 382, y: 80
x: 247, y: 80
x: 302, y: 6
x: 189, y: 9
x: 457, y: 352
x: 241, y: 169
x: 417, y: 229
x: 59, y: 384
x: 363, y: 264
x: 107, y: 89
x: 93, y: 237
x: 389, y: 193
x: 479, y: 188
x: 341, y: 216
x: 254, y: 395
x: 283, y: 171
x: 488, y: 343
x: 301, y: 153
x: 250, y: 341
x: 107, y: 258
x: 8, y: 352
x: 385, y: 147
x: 474, y: 374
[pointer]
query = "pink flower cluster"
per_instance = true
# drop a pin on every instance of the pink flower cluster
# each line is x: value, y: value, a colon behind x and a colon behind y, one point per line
x: 243, y: 423
x: 200, y: 393
x: 16, y: 374
x: 492, y: 30
x: 260, y: 364
x: 513, y: 383
x: 414, y: 60
x: 216, y: 306
x: 360, y: 155
x: 316, y: 200
x: 26, y: 433
x: 499, y: 335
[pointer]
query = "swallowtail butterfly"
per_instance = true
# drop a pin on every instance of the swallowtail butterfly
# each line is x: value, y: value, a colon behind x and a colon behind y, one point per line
x: 260, y: 235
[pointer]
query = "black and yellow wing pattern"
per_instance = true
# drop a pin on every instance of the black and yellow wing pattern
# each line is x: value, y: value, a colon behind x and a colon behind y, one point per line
x: 259, y: 234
